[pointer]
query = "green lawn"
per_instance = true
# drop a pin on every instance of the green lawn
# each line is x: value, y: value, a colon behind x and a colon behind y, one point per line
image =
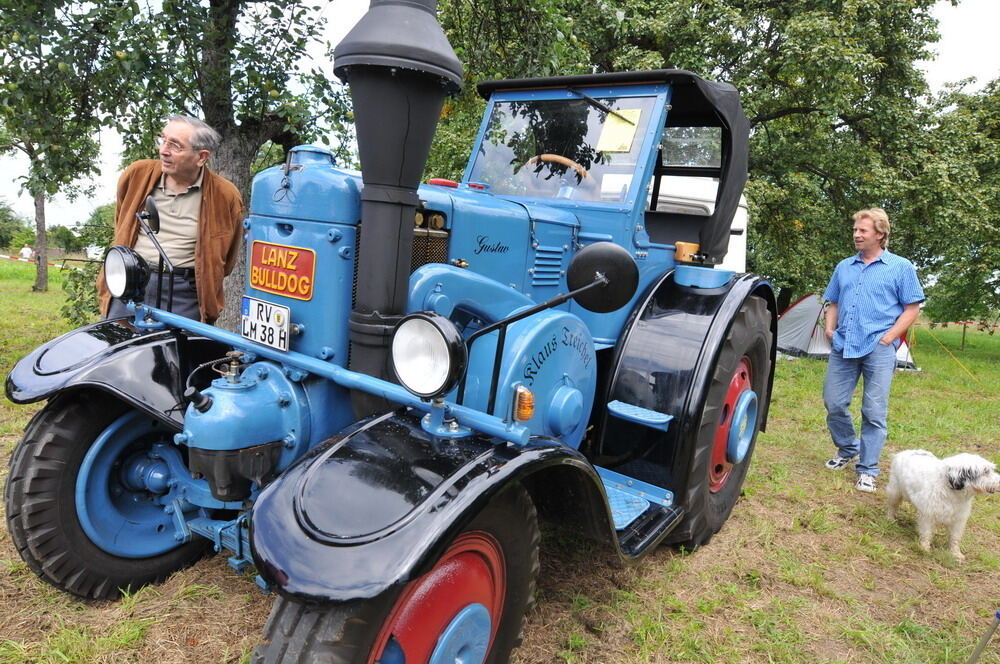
x: 807, y: 570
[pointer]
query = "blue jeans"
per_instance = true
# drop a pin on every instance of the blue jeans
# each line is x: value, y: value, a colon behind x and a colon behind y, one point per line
x: 841, y: 378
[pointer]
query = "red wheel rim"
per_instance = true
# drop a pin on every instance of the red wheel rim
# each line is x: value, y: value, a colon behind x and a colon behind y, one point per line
x: 470, y: 572
x: 719, y: 467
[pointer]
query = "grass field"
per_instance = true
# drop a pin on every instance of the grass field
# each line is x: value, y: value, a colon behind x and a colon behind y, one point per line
x: 807, y: 570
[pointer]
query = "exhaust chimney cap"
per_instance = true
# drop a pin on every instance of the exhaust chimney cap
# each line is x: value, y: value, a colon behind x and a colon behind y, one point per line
x: 400, y: 34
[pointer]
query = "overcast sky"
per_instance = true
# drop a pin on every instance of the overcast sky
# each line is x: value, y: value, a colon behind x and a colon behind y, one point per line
x: 966, y: 33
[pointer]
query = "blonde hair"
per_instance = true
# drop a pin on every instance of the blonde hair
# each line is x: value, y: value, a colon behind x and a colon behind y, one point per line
x: 880, y: 220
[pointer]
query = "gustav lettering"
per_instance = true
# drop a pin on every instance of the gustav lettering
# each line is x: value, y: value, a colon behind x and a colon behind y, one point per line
x: 487, y: 247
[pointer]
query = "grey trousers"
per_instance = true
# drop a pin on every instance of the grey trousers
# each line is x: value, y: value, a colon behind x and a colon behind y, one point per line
x: 185, y: 297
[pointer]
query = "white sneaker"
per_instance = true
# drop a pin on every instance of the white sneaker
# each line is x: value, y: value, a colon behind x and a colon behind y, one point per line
x: 838, y: 462
x: 865, y: 483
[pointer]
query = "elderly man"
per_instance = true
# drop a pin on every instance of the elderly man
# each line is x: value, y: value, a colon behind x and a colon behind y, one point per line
x: 874, y: 296
x: 201, y: 216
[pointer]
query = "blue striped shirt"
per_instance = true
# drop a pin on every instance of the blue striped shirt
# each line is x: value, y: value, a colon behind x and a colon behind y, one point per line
x: 869, y: 299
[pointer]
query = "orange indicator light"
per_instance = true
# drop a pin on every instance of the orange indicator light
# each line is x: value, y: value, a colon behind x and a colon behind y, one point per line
x: 524, y: 404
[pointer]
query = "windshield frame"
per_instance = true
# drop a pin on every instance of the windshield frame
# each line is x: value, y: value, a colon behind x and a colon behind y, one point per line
x: 660, y: 94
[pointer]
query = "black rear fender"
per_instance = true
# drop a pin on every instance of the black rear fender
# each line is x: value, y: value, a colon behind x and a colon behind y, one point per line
x: 144, y: 368
x: 663, y: 362
x: 376, y: 506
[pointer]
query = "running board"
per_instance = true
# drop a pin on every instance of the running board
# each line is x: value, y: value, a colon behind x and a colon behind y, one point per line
x: 640, y: 415
x: 642, y: 513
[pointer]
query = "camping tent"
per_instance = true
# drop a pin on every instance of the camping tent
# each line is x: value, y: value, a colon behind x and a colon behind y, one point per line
x: 801, y: 333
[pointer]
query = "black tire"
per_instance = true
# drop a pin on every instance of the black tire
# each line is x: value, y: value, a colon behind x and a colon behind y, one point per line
x: 42, y: 515
x: 345, y: 633
x: 707, y: 507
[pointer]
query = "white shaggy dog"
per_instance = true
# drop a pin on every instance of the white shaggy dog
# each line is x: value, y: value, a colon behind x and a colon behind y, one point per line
x: 941, y: 489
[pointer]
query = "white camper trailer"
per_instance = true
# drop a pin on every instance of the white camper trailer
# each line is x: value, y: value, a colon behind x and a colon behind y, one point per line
x: 696, y: 196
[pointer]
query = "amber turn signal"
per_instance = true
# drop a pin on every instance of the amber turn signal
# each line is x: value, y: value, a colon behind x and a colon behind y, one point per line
x: 524, y: 404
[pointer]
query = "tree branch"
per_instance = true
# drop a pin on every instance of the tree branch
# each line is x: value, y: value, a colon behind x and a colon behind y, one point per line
x: 793, y: 110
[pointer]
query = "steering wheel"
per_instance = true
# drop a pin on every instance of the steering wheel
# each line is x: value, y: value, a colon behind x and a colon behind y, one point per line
x: 565, y: 161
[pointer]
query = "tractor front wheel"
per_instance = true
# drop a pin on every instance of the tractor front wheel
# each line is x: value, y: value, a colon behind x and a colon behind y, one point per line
x: 468, y: 608
x: 87, y: 497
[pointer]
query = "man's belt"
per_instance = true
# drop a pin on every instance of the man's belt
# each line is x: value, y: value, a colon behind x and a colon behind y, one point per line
x: 185, y: 272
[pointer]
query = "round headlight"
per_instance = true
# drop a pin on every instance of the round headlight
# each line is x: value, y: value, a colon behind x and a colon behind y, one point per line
x: 126, y: 273
x: 428, y: 354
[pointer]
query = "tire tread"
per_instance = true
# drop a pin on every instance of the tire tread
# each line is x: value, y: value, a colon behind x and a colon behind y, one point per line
x: 35, y: 491
x: 342, y: 633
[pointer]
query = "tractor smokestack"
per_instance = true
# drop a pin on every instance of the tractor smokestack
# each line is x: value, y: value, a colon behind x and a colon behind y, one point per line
x: 400, y: 67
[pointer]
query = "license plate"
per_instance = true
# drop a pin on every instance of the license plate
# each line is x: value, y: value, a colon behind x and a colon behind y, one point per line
x: 266, y: 323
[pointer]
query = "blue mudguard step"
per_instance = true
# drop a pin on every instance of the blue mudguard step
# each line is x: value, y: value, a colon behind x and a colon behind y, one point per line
x: 640, y: 415
x: 628, y: 497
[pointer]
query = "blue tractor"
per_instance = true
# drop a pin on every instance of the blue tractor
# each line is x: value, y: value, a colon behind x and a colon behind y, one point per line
x: 423, y: 371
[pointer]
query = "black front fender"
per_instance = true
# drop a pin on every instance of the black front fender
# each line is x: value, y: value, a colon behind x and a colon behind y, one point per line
x: 377, y: 506
x: 144, y: 368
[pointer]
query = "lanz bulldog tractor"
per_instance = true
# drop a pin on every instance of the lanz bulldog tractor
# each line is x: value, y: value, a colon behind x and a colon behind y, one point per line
x: 423, y: 371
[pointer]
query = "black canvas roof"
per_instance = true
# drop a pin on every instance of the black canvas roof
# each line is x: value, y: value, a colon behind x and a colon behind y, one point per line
x: 695, y: 102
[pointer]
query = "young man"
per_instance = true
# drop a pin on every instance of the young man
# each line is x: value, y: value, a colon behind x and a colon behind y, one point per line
x: 26, y: 253
x: 874, y: 297
x: 201, y: 221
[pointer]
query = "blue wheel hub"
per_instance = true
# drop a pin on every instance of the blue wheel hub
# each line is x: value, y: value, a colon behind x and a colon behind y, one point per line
x: 744, y: 423
x: 465, y: 639
x: 123, y: 499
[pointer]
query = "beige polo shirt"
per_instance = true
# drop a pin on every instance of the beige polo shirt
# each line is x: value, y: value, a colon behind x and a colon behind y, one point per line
x: 178, y: 224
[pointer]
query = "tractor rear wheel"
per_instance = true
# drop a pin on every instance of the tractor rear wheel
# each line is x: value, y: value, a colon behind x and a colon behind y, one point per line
x: 727, y: 427
x: 468, y: 608
x: 84, y: 498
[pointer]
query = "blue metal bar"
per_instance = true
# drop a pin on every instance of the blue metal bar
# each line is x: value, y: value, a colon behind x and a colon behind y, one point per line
x: 469, y: 417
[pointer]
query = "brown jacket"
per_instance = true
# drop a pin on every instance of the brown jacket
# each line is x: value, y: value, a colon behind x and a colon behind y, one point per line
x: 220, y: 228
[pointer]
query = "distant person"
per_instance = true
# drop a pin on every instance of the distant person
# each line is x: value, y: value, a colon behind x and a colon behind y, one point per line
x: 201, y: 221
x: 874, y: 297
x: 26, y: 253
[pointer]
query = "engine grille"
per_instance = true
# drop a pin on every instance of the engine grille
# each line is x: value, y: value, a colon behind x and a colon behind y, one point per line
x: 429, y: 246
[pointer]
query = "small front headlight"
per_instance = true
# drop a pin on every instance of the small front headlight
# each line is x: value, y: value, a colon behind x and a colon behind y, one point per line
x: 126, y: 273
x: 428, y: 354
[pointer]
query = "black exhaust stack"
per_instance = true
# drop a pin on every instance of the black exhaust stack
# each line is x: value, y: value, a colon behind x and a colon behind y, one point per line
x: 400, y: 68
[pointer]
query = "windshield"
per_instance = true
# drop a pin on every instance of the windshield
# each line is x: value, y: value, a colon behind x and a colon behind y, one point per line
x: 582, y: 149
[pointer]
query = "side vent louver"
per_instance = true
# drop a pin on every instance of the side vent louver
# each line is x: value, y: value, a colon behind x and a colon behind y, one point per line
x: 548, y: 266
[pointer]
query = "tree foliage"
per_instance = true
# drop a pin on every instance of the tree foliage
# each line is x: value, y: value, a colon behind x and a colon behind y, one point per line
x: 498, y: 39
x: 241, y: 66
x: 12, y: 227
x: 957, y: 206
x: 64, y: 238
x: 58, y: 73
x: 841, y: 115
x: 81, y: 298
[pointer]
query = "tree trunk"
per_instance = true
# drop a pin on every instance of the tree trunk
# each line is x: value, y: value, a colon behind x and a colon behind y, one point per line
x: 41, y: 247
x: 233, y: 161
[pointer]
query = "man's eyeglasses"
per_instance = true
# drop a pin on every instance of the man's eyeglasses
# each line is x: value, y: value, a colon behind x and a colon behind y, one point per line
x: 169, y: 145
